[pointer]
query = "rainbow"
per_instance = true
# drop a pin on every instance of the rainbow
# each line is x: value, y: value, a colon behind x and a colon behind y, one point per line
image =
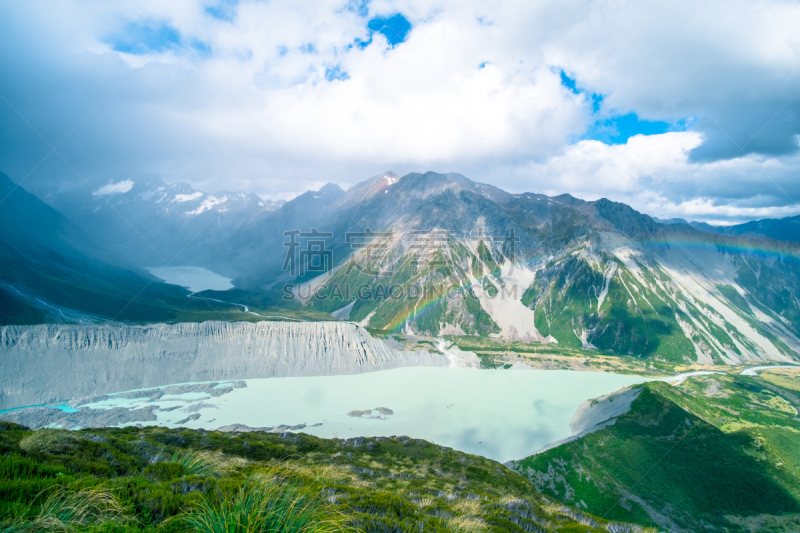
x: 783, y: 251
x: 424, y: 305
x: 735, y: 245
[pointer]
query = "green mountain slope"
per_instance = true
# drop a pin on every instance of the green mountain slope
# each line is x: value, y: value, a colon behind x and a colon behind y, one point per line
x: 715, y: 451
x: 154, y: 479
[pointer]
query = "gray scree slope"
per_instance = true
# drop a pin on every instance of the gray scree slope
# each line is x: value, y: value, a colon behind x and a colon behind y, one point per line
x: 49, y: 363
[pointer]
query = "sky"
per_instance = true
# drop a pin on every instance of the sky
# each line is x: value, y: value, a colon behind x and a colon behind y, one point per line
x: 679, y: 108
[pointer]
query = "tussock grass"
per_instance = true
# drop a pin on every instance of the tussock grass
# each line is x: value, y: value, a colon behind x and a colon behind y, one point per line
x: 467, y: 524
x: 53, y: 441
x: 263, y: 504
x: 467, y: 519
x: 468, y: 507
x: 321, y: 475
x: 67, y: 510
x: 206, y: 464
x: 555, y: 508
x: 427, y: 501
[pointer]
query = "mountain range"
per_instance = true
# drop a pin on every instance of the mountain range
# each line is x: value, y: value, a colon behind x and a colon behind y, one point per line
x: 423, y: 254
x: 52, y: 270
x: 781, y: 229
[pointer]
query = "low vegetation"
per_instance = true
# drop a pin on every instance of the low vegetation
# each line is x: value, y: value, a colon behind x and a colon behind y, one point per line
x: 716, y: 451
x: 156, y: 479
x: 495, y: 353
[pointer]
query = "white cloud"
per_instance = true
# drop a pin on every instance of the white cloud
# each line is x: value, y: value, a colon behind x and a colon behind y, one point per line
x: 220, y: 120
x: 114, y: 188
x: 655, y: 175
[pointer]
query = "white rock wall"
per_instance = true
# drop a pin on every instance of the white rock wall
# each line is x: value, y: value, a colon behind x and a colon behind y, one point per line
x: 48, y: 363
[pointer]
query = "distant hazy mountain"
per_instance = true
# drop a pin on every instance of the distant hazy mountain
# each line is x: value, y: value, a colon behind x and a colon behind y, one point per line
x: 671, y: 220
x: 150, y: 223
x: 53, y: 270
x: 780, y: 229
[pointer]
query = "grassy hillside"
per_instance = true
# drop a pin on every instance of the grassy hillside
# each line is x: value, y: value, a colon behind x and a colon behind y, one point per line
x: 719, y: 451
x: 150, y: 479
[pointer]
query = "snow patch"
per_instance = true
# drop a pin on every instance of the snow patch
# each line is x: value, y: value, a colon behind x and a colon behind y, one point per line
x: 610, y: 270
x: 207, y: 204
x: 114, y: 188
x: 187, y: 197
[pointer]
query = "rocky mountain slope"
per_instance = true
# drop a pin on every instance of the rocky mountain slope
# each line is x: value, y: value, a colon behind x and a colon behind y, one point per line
x: 63, y: 362
x: 440, y: 254
x: 583, y: 274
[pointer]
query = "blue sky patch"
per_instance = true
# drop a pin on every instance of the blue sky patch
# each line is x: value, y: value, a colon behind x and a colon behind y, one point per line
x: 394, y: 28
x: 617, y: 130
x: 223, y: 10
x: 142, y: 39
x: 359, y: 7
x: 569, y: 83
x: 336, y: 73
x: 572, y: 85
x: 203, y: 49
x: 597, y: 99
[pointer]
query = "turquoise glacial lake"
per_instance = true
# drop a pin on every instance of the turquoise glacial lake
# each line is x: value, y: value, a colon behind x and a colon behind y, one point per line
x: 500, y: 414
x: 194, y: 278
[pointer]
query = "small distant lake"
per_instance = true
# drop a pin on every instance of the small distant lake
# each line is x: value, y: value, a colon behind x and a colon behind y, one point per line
x: 500, y: 414
x: 194, y: 278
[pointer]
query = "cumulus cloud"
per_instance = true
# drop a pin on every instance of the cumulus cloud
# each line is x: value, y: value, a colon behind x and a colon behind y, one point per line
x: 656, y: 174
x: 281, y: 97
